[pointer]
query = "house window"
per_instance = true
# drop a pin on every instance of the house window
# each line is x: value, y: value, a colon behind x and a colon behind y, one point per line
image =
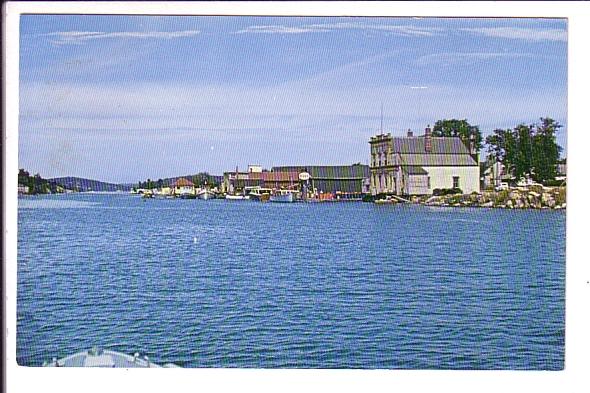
x: 428, y: 178
x: 455, y: 181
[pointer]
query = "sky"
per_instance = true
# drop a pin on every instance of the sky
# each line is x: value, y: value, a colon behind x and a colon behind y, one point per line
x: 126, y: 98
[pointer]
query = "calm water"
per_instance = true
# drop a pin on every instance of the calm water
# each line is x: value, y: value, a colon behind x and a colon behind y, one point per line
x: 244, y: 284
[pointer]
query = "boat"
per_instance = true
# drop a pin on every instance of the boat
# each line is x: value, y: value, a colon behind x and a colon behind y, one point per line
x: 205, y: 194
x: 187, y: 196
x: 385, y: 201
x: 97, y: 357
x: 237, y: 197
x: 282, y: 196
x: 260, y: 194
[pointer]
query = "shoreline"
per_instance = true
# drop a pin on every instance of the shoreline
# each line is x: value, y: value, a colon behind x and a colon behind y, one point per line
x: 535, y: 197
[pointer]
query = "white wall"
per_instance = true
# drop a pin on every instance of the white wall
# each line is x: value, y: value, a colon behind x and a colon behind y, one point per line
x: 442, y: 177
x: 416, y: 185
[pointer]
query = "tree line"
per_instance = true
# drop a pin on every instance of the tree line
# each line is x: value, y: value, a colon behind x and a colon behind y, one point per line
x: 525, y: 150
x: 200, y: 179
x: 35, y: 183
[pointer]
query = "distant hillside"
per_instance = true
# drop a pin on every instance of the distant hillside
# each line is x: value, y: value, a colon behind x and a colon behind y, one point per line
x: 81, y: 184
x: 198, y: 179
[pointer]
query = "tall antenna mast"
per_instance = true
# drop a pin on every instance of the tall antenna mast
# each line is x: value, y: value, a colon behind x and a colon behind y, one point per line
x: 382, y: 117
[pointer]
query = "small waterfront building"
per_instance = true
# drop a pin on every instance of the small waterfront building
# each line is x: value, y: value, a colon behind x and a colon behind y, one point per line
x: 254, y: 168
x: 164, y: 191
x: 183, y: 186
x: 334, y: 181
x: 22, y: 189
x: 340, y: 181
x: 417, y: 165
x: 236, y: 182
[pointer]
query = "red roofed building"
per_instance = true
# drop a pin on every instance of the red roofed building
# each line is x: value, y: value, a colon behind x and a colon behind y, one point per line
x: 183, y: 187
x: 236, y: 181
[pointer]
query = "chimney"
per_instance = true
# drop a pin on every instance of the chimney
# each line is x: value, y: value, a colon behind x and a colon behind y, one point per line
x: 410, y: 133
x: 428, y: 139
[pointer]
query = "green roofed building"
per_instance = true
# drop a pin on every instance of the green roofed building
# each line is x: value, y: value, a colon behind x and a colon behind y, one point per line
x: 340, y: 180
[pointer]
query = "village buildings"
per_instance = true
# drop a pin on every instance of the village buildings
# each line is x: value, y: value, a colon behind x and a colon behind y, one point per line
x: 326, y: 182
x: 417, y: 165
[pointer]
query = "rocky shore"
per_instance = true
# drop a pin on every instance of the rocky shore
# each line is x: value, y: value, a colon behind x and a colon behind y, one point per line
x: 531, y: 197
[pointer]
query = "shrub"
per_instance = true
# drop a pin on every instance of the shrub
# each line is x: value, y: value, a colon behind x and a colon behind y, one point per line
x: 502, y: 196
x: 553, y: 183
x: 446, y: 191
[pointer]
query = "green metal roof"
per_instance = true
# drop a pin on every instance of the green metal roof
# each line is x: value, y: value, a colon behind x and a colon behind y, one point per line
x: 328, y: 172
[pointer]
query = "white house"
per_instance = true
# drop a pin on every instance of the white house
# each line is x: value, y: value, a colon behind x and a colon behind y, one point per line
x: 417, y: 165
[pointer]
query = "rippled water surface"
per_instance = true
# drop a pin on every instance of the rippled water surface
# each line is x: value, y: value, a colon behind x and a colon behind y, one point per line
x: 243, y: 284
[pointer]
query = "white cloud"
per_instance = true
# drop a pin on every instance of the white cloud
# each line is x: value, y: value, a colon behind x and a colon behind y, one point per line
x: 520, y: 33
x: 95, y: 130
x: 76, y: 37
x: 289, y: 107
x: 451, y: 58
x: 404, y: 30
x: 281, y: 29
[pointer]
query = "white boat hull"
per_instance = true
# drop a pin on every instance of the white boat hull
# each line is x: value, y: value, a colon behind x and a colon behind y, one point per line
x: 205, y: 195
x: 236, y: 197
x: 282, y: 198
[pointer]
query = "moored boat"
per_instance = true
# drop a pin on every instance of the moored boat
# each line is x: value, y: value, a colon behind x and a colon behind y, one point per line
x: 282, y: 196
x: 237, y: 197
x: 205, y: 194
x: 260, y: 194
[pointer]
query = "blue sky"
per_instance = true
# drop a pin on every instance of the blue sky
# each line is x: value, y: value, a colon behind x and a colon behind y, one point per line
x: 124, y: 98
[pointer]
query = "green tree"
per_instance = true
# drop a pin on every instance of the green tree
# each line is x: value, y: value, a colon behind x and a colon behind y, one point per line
x: 501, y: 145
x: 460, y: 128
x: 527, y: 150
x: 546, y: 151
x: 23, y: 177
x: 523, y: 164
